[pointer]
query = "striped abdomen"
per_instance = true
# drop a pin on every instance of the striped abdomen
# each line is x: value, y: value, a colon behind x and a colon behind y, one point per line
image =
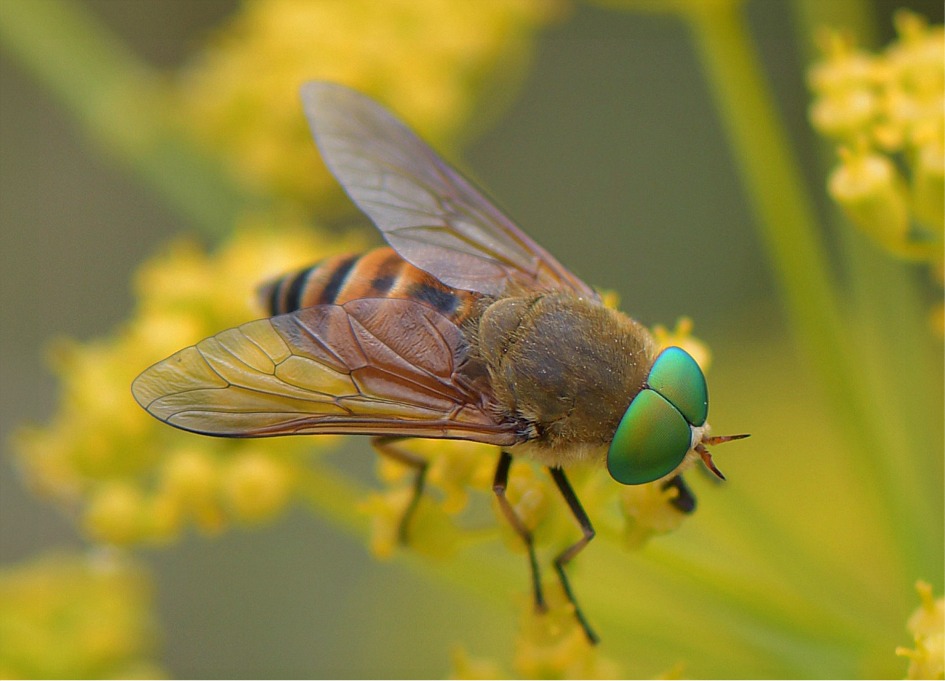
x: 380, y: 273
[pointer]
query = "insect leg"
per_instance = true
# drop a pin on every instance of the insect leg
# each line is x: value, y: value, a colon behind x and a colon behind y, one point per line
x: 499, y: 484
x: 386, y: 447
x: 685, y: 500
x: 565, y: 556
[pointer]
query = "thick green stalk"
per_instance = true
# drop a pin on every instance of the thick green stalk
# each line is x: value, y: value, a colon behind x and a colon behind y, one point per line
x: 788, y: 226
x: 904, y: 360
x: 120, y: 104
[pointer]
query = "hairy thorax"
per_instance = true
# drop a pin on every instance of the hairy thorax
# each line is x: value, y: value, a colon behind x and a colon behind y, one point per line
x: 564, y: 367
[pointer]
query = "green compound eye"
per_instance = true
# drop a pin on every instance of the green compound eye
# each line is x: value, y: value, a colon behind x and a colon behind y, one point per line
x: 676, y: 376
x: 654, y: 434
x: 651, y: 440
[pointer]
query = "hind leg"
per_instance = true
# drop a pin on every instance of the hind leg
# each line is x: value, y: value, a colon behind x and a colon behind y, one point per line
x: 386, y: 446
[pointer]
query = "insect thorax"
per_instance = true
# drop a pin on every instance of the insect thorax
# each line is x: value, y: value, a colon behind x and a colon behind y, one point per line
x: 565, y: 367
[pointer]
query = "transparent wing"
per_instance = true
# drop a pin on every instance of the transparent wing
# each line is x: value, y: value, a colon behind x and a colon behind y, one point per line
x: 370, y: 366
x: 429, y: 213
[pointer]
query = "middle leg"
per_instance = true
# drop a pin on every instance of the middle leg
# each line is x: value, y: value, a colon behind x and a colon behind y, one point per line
x: 499, y: 485
x: 569, y: 553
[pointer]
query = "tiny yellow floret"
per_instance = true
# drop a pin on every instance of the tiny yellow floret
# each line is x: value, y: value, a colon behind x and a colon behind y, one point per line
x: 873, y: 195
x: 65, y: 616
x: 648, y: 511
x: 256, y: 486
x: 115, y: 513
x: 552, y: 644
x: 885, y: 112
x: 681, y: 336
x: 425, y: 58
x: 927, y: 626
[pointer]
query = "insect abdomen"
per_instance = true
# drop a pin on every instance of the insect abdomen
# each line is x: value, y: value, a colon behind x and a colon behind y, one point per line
x: 379, y: 273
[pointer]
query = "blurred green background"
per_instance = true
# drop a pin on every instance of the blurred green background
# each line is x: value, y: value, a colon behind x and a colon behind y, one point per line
x: 611, y: 155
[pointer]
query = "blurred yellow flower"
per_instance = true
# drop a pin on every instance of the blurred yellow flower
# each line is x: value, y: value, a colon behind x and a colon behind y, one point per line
x: 73, y: 617
x: 874, y: 196
x: 885, y: 112
x: 771, y: 578
x: 427, y: 59
x: 681, y: 336
x: 459, y: 480
x: 927, y: 626
x: 893, y: 99
x: 553, y: 645
x: 549, y: 645
x: 131, y: 478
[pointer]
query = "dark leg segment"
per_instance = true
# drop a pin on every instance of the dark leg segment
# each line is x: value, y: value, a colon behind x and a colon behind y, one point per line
x: 386, y: 447
x: 499, y: 484
x: 685, y: 500
x: 565, y: 556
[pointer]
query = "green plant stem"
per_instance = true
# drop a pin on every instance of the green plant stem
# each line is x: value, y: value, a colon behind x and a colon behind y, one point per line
x: 787, y: 224
x: 120, y: 104
x: 904, y: 360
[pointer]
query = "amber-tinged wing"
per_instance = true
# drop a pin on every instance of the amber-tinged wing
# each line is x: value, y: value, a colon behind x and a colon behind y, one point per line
x: 427, y: 211
x: 370, y: 366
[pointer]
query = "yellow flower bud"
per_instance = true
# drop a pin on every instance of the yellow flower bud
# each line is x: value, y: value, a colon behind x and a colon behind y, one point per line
x: 681, y: 336
x: 463, y: 666
x: 256, y: 486
x: 391, y: 471
x: 648, y: 511
x: 552, y: 644
x: 114, y: 515
x: 844, y: 114
x: 432, y: 532
x: 427, y: 59
x: 846, y: 103
x: 610, y: 299
x: 159, y: 332
x: 927, y: 626
x: 929, y: 619
x: 916, y: 58
x: 429, y: 532
x: 928, y: 187
x: 843, y: 67
x: 872, y: 194
x: 65, y: 616
x: 456, y: 468
x: 386, y: 511
x: 164, y: 517
x: 190, y: 475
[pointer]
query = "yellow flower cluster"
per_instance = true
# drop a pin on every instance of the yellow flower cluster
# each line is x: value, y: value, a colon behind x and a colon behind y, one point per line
x: 549, y: 645
x: 426, y: 59
x: 70, y: 617
x: 886, y: 112
x: 927, y: 626
x: 457, y: 468
x: 130, y: 477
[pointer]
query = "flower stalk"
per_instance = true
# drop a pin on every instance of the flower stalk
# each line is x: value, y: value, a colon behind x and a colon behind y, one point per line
x: 789, y: 228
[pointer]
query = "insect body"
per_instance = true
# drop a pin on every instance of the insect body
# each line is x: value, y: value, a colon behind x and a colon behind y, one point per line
x: 463, y: 328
